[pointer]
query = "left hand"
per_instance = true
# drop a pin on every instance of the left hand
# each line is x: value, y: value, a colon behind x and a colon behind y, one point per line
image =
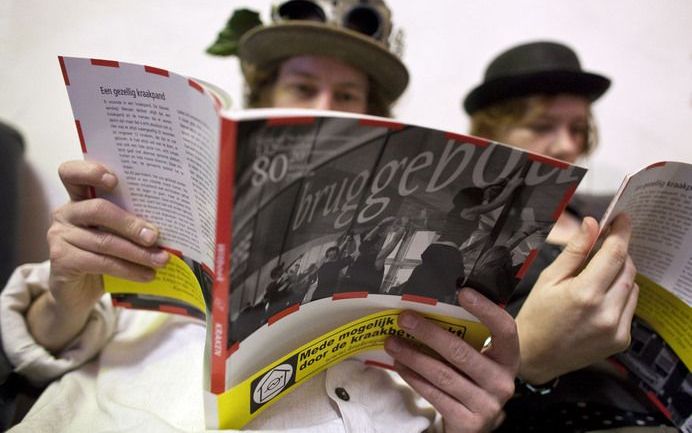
x: 468, y: 388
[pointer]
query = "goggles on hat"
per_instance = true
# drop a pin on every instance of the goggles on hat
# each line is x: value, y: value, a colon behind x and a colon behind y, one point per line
x: 370, y: 18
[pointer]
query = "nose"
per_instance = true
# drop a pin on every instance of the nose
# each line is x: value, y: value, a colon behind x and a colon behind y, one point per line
x: 567, y: 145
x: 324, y: 100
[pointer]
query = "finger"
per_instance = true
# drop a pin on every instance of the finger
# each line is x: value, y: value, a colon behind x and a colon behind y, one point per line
x: 80, y: 262
x: 502, y: 327
x: 625, y: 328
x: 447, y: 406
x: 109, y: 244
x: 456, y: 351
x: 575, y: 253
x: 458, y: 417
x: 481, y: 369
x: 437, y: 374
x: 620, y: 291
x: 79, y: 176
x: 610, y: 259
x: 102, y: 213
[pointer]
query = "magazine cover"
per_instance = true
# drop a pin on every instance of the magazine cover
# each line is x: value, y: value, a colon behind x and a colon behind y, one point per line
x: 336, y: 219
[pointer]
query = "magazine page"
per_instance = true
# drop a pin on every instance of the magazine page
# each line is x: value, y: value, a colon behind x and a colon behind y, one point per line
x: 659, y: 203
x: 158, y: 132
x: 339, y: 223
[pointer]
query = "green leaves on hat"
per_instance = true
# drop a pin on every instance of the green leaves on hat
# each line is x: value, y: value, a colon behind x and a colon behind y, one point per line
x: 240, y: 22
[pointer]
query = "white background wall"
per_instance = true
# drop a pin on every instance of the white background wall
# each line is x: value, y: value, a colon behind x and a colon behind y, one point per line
x: 644, y: 46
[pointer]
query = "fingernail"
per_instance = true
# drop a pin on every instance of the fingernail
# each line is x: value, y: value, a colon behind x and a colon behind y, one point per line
x: 392, y: 345
x: 109, y: 180
x: 408, y: 321
x: 160, y: 258
x: 147, y: 235
x: 582, y: 228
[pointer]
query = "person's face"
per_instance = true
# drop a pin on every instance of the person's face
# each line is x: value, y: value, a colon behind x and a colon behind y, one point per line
x: 321, y: 83
x: 560, y: 130
x: 331, y: 255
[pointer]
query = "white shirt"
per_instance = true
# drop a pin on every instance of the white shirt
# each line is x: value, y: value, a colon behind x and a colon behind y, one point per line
x: 141, y: 371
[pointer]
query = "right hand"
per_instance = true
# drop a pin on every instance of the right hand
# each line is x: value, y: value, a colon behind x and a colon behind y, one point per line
x: 468, y: 388
x: 90, y: 237
x: 574, y: 317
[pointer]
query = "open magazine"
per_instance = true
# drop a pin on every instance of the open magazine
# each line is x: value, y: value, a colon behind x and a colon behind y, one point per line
x: 300, y: 235
x: 658, y: 201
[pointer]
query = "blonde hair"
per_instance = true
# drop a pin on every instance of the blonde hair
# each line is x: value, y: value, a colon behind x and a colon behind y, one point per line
x: 495, y: 120
x: 259, y: 82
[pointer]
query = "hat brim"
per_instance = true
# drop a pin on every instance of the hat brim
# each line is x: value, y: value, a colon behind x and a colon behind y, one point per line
x: 591, y: 86
x: 267, y: 44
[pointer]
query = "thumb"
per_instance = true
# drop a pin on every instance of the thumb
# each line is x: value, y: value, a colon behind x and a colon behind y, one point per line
x: 575, y: 253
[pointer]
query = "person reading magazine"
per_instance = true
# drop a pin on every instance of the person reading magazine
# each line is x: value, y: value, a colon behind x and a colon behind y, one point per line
x: 537, y: 97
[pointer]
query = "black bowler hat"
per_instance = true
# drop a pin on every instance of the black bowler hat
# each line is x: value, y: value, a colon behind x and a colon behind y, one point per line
x: 534, y: 68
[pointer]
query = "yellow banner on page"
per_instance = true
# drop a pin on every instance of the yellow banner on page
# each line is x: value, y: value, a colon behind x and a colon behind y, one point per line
x: 239, y: 405
x: 175, y: 280
x: 668, y: 315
